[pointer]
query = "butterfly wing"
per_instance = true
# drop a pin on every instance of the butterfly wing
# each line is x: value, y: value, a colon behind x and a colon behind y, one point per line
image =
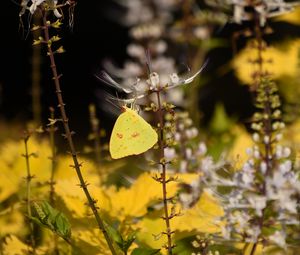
x: 131, y: 135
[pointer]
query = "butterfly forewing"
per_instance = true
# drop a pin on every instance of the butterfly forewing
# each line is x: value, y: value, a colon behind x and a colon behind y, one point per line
x: 131, y: 135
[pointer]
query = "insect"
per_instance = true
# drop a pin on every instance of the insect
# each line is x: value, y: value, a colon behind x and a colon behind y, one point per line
x: 134, y: 94
x: 131, y: 135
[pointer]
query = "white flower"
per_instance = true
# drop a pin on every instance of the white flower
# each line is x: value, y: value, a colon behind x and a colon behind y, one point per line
x: 238, y: 13
x: 253, y: 232
x: 266, y: 139
x: 255, y: 137
x: 177, y: 137
x: 170, y: 153
x: 164, y: 65
x: 241, y: 220
x: 235, y: 200
x: 278, y: 151
x: 258, y: 203
x: 183, y: 166
x: 278, y: 179
x: 282, y: 152
x: 141, y: 86
x: 207, y: 164
x: 181, y: 127
x: 188, y: 153
x: 247, y: 167
x: 256, y: 154
x: 135, y: 50
x: 226, y: 232
x: 191, y: 133
x: 153, y: 80
x: 278, y: 137
x: 263, y: 167
x: 286, y: 152
x: 34, y: 5
x: 202, y: 149
x: 285, y: 167
x: 160, y: 47
x: 132, y: 69
x: 146, y: 30
x: 247, y: 178
x: 201, y: 32
x: 264, y: 9
x: 176, y: 96
x: 55, y: 11
x: 285, y: 202
x: 174, y: 78
x: 278, y: 238
x: 249, y: 151
x: 186, y: 199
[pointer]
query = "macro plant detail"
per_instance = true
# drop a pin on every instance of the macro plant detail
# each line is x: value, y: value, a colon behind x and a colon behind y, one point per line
x: 173, y: 154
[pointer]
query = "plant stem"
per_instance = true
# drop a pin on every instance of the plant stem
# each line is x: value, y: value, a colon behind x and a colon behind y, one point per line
x: 28, y: 191
x: 163, y: 175
x: 51, y: 131
x: 267, y: 122
x: 68, y: 134
x: 253, y: 249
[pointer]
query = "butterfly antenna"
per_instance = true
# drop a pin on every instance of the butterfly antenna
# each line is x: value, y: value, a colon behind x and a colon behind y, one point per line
x: 71, y: 14
x: 21, y: 26
x: 29, y: 22
x: 112, y: 100
x: 107, y: 79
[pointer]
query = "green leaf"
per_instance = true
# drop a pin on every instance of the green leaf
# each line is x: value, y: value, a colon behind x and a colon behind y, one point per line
x: 52, y: 219
x: 36, y: 42
x: 62, y: 226
x: 144, y: 251
x: 118, y: 239
x: 60, y: 50
x: 56, y: 24
x: 127, y: 243
x: 114, y: 234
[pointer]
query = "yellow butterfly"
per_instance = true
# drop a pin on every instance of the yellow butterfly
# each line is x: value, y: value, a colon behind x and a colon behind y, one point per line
x: 131, y: 135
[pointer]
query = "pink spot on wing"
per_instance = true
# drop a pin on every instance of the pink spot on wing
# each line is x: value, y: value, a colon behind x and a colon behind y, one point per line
x: 119, y: 135
x: 135, y: 134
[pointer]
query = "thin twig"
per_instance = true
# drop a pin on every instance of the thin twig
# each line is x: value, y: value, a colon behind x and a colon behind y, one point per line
x: 267, y: 122
x: 163, y: 175
x: 52, y: 129
x: 28, y: 191
x: 68, y: 134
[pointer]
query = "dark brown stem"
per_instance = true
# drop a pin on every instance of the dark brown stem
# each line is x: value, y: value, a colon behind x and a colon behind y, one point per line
x: 163, y: 174
x: 28, y: 191
x: 68, y: 135
x: 253, y: 249
x: 51, y: 131
x: 267, y: 122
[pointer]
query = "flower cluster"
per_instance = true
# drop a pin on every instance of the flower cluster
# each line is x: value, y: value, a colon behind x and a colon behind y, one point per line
x: 262, y: 200
x: 244, y: 10
x: 147, y: 22
x: 32, y: 6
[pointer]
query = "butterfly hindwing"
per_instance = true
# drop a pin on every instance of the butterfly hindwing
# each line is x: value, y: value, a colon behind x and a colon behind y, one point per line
x: 131, y: 135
